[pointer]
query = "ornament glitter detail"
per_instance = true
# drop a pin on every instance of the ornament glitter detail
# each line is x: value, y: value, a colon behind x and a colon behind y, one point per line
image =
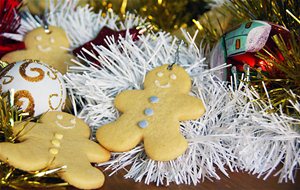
x: 50, y: 104
x: 25, y: 94
x: 43, y: 82
x: 23, y: 69
x: 10, y: 79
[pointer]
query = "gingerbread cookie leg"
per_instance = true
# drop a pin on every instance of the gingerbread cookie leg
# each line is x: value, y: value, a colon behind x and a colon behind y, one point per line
x: 22, y: 157
x: 120, y: 136
x: 81, y: 174
x: 165, y: 145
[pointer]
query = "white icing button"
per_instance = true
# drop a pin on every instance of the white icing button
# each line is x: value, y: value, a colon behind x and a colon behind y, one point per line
x: 55, y: 143
x: 58, y: 136
x: 173, y: 77
x: 148, y: 112
x: 154, y: 99
x: 52, y: 40
x: 53, y: 151
x: 143, y: 124
x: 160, y: 74
x: 60, y: 117
x: 38, y: 38
x: 73, y: 121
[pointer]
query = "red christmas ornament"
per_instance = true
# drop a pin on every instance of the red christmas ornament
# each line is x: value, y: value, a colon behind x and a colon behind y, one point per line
x: 10, y: 22
x: 240, y: 46
x: 100, y: 40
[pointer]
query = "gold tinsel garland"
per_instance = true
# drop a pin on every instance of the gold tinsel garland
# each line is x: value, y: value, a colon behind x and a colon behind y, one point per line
x: 168, y: 15
x: 283, y: 89
x: 171, y: 15
x: 10, y: 176
x: 284, y: 12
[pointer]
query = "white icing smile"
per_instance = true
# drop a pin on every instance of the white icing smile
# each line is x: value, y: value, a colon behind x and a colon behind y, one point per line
x: 157, y: 83
x: 44, y: 49
x: 65, y: 127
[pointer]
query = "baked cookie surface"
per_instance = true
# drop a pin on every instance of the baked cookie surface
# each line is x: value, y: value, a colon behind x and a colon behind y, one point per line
x: 50, y: 48
x: 58, y: 140
x: 152, y: 115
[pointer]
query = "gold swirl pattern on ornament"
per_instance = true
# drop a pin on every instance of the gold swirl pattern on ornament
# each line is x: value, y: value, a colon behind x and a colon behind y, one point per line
x: 53, y: 71
x: 23, y: 68
x: 7, y: 79
x: 50, y: 104
x: 54, y: 77
x: 25, y: 94
x: 5, y: 70
x: 63, y: 105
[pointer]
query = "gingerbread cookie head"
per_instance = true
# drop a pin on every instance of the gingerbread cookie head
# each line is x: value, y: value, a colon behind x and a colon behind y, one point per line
x: 174, y: 79
x: 66, y: 122
x: 42, y: 41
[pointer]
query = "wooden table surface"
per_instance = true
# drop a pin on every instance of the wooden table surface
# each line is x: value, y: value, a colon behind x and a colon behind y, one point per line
x: 238, y: 181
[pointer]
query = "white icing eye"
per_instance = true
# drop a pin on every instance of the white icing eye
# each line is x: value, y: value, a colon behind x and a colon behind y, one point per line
x: 173, y: 77
x: 38, y: 38
x: 73, y: 121
x: 60, y: 117
x: 160, y: 74
x: 52, y: 40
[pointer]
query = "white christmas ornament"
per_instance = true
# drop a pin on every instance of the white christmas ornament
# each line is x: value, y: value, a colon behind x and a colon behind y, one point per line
x: 38, y: 88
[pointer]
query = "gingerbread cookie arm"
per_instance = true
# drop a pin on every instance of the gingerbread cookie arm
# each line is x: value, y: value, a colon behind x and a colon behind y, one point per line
x: 121, y: 135
x: 95, y: 152
x: 126, y: 99
x: 165, y: 145
x: 23, y: 130
x: 13, y: 56
x: 190, y: 107
x: 26, y: 155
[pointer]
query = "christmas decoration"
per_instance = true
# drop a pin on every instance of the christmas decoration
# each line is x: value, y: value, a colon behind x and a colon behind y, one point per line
x: 284, y: 87
x: 10, y: 176
x: 216, y: 140
x: 240, y: 131
x: 38, y: 87
x: 9, y: 25
x: 286, y: 11
x: 81, y: 24
x: 278, y: 62
x: 163, y: 14
x: 101, y: 40
x: 47, y: 45
x: 58, y: 140
x: 240, y: 46
x: 152, y: 115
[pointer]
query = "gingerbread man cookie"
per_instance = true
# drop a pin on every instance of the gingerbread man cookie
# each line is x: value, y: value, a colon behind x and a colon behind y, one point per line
x: 48, y: 47
x: 58, y: 140
x: 152, y: 115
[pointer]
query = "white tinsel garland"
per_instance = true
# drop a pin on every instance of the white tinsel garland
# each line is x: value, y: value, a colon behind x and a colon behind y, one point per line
x: 124, y: 66
x: 236, y: 132
x: 81, y: 24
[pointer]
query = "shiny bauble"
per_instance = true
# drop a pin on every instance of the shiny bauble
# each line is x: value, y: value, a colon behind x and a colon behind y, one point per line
x: 37, y: 87
x: 239, y: 47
